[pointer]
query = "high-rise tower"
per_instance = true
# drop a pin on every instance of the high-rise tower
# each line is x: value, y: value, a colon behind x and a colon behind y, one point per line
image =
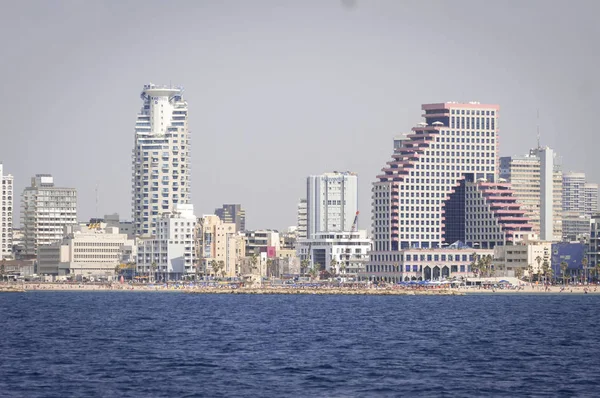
x: 161, y: 157
x: 331, y: 202
x: 409, y: 199
x: 6, y: 223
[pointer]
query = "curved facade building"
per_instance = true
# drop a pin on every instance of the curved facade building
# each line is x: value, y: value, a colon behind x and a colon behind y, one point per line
x: 161, y: 157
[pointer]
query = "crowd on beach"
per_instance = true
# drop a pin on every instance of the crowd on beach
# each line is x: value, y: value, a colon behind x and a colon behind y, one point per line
x: 338, y: 288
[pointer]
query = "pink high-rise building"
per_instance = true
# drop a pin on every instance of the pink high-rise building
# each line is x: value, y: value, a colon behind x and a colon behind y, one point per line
x: 411, y: 208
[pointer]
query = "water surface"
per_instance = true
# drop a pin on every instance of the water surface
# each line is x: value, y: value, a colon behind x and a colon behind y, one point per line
x: 141, y: 344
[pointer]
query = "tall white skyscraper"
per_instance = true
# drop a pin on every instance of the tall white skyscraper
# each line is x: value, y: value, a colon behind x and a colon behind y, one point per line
x: 161, y: 157
x: 7, y: 214
x: 45, y: 210
x: 331, y: 202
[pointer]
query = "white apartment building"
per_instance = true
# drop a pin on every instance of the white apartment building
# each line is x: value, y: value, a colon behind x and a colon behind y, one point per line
x: 6, y: 223
x: 522, y: 257
x: 45, y: 211
x: 536, y: 179
x: 349, y: 249
x: 302, y: 226
x: 579, y: 196
x: 85, y: 250
x: 218, y: 241
x: 161, y: 157
x: 331, y: 202
x: 170, y: 254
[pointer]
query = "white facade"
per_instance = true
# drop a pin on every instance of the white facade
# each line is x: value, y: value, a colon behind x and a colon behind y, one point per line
x: 86, y: 250
x: 45, y: 211
x: 408, y: 200
x: 332, y: 202
x: 6, y: 222
x: 423, y: 264
x: 579, y: 196
x: 172, y: 250
x: 161, y: 157
x: 523, y: 256
x: 302, y: 227
x: 349, y: 249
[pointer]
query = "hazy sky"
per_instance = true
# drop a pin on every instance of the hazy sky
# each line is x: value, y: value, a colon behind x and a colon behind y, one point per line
x: 279, y: 90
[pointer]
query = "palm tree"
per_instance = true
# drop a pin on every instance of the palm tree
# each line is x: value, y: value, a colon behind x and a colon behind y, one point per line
x: 343, y: 267
x: 519, y: 273
x: 563, y: 270
x: 538, y: 259
x: 530, y: 271
x: 304, y: 266
x: 550, y: 274
x: 545, y: 268
x: 154, y: 266
x: 314, y: 271
x: 597, y: 271
x: 475, y: 264
x: 2, y: 270
x: 214, y: 267
x: 222, y: 267
x: 269, y: 267
x: 584, y: 264
x: 333, y: 266
x: 254, y: 261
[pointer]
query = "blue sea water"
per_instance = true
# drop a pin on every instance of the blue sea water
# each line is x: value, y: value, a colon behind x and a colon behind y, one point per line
x: 144, y: 344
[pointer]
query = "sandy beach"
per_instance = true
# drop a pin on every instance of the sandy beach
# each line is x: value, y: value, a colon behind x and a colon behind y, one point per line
x: 325, y: 290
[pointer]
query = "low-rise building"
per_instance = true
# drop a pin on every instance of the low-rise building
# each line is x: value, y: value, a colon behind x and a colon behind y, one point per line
x: 219, y: 247
x: 18, y: 268
x: 262, y: 241
x: 453, y: 261
x: 85, y: 250
x: 170, y: 254
x: 348, y: 251
x: 525, y: 257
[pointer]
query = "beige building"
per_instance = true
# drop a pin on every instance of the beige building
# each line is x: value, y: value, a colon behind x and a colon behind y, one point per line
x: 516, y: 259
x: 219, y: 242
x: 85, y: 250
x: 542, y: 201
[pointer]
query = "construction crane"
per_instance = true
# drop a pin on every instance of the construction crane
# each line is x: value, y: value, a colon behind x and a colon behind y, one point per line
x: 355, y: 222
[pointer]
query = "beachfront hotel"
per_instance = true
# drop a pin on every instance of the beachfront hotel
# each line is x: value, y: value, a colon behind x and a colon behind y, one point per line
x: 441, y: 187
x: 161, y: 157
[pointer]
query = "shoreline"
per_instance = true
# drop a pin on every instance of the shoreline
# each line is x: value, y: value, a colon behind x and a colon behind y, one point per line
x: 359, y: 291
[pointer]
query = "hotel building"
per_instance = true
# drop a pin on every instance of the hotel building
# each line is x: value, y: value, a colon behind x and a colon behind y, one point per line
x: 161, y: 157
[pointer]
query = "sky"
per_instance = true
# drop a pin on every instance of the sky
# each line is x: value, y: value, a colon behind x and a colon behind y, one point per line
x: 280, y: 90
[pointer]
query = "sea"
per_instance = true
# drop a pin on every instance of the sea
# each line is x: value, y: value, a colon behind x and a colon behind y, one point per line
x: 167, y: 344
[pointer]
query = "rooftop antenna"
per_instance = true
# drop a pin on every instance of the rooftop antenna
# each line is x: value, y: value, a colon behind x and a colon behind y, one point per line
x: 538, y: 128
x: 97, y: 215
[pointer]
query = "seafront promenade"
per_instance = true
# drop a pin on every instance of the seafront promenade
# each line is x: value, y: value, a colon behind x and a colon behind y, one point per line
x: 391, y: 290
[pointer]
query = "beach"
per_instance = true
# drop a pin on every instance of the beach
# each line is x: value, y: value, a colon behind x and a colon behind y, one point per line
x: 294, y: 289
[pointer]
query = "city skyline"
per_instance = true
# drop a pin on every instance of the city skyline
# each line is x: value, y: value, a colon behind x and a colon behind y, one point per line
x: 345, y: 86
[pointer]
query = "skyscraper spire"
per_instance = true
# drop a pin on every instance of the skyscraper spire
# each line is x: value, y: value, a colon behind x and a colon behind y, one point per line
x: 538, y: 128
